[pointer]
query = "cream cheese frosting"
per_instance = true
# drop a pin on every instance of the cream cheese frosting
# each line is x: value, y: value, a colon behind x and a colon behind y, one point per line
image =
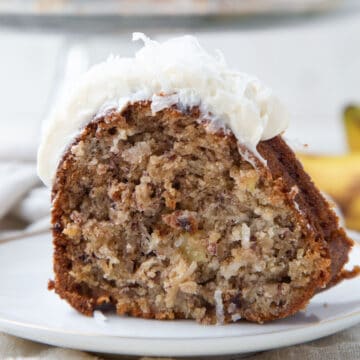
x: 175, y: 72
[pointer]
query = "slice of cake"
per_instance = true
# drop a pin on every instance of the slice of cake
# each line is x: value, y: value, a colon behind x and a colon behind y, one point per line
x: 174, y: 195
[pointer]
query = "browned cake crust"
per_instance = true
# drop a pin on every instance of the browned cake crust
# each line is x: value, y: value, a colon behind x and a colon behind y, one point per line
x: 312, y: 222
x: 284, y: 164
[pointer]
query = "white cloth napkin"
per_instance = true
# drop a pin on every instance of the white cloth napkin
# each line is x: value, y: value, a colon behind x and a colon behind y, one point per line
x: 25, y: 203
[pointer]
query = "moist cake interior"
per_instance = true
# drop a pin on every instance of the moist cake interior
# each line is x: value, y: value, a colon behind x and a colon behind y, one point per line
x: 160, y: 218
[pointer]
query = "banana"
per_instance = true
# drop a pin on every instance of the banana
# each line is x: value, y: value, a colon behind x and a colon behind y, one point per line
x: 353, y: 217
x: 339, y: 176
x: 352, y: 127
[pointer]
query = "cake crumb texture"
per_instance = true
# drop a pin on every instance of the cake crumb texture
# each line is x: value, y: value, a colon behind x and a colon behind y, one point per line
x: 156, y: 217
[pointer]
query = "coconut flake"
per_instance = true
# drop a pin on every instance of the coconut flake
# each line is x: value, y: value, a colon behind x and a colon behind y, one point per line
x: 235, y: 317
x: 245, y: 236
x: 99, y: 316
x: 182, y: 71
x: 219, y: 307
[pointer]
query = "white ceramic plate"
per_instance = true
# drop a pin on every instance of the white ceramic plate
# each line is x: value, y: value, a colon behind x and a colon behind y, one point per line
x: 28, y: 310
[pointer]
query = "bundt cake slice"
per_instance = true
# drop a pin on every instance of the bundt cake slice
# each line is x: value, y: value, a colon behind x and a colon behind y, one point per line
x: 161, y: 210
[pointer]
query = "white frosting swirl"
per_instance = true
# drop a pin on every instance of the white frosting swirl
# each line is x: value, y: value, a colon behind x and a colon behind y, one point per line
x: 186, y: 74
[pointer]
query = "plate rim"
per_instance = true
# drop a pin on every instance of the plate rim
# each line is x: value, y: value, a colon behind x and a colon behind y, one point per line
x: 69, y: 333
x: 296, y: 336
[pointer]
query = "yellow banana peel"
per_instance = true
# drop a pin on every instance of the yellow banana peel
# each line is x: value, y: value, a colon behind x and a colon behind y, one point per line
x: 352, y: 127
x: 339, y: 176
x: 353, y: 217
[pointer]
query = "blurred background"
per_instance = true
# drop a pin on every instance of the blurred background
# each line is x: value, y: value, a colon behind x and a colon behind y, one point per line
x: 308, y: 51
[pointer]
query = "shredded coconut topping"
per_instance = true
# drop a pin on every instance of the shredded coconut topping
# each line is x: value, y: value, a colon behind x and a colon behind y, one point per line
x: 176, y: 72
